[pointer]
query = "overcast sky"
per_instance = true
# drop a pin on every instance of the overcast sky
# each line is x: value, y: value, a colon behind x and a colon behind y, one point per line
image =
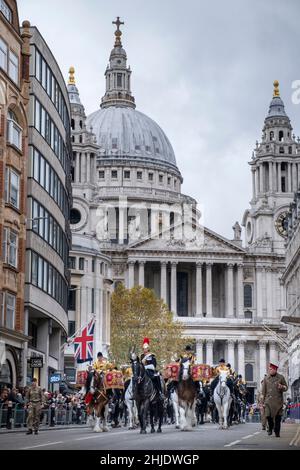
x: 203, y: 70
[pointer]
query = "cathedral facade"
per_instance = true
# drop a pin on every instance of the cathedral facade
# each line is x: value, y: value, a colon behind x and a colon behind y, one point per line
x: 131, y: 223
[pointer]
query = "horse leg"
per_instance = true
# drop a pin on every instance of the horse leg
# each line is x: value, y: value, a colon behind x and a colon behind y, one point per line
x: 193, y: 414
x: 97, y: 422
x: 160, y: 409
x: 225, y: 415
x: 176, y: 413
x: 143, y: 418
x: 129, y: 411
x: 105, y: 415
x: 152, y: 419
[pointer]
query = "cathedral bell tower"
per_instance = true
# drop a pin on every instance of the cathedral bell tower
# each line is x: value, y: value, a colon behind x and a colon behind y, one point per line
x: 275, y: 168
x: 118, y: 86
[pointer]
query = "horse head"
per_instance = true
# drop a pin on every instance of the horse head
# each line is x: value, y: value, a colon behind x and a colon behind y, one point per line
x: 223, y: 376
x: 185, y: 368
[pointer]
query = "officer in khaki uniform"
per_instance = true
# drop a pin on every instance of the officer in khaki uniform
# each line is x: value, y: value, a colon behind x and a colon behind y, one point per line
x: 274, y: 385
x: 35, y: 400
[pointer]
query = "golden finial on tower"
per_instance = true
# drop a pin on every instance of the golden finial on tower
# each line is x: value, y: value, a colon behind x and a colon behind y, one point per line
x: 276, y: 88
x: 118, y: 33
x: 71, y: 76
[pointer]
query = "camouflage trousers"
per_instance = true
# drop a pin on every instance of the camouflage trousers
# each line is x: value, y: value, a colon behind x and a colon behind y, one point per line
x: 33, y: 419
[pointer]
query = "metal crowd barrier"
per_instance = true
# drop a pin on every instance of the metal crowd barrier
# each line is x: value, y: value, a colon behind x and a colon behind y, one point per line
x: 16, y: 416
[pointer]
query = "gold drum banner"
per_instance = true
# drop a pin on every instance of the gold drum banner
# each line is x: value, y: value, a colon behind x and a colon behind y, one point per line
x: 81, y: 377
x: 114, y: 379
x: 171, y: 371
x: 201, y: 372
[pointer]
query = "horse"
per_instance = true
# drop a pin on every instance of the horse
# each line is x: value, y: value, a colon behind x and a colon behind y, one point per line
x: 130, y: 405
x: 99, y: 402
x: 222, y: 399
x: 201, y: 404
x: 187, y: 394
x: 146, y: 396
x: 173, y: 398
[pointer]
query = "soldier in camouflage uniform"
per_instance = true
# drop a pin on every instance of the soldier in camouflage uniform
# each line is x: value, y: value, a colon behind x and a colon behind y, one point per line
x: 35, y: 400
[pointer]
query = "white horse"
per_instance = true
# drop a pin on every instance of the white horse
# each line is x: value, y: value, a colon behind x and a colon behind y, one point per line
x: 175, y: 405
x: 187, y: 394
x: 222, y: 399
x: 131, y: 407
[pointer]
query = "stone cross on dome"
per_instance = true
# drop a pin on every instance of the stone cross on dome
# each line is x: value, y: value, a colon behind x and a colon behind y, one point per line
x: 118, y: 33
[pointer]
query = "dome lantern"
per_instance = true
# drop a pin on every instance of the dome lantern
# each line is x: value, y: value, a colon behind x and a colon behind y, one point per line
x: 118, y: 75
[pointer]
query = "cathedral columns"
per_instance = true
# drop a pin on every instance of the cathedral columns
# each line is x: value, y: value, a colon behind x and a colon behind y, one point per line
x: 77, y: 168
x: 230, y: 312
x: 279, y: 177
x: 199, y: 312
x: 209, y: 351
x: 241, y: 357
x: 289, y: 177
x: 271, y: 177
x: 208, y: 290
x: 259, y: 304
x: 230, y: 355
x: 174, y: 287
x: 262, y: 359
x: 270, y: 313
x: 273, y: 352
x: 240, y: 291
x: 88, y: 168
x: 131, y: 265
x: 142, y: 273
x: 199, y: 350
x: 294, y: 177
x: 254, y: 182
x: 163, y: 281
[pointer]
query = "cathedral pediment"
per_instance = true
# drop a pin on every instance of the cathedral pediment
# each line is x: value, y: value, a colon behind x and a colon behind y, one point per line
x: 201, y: 239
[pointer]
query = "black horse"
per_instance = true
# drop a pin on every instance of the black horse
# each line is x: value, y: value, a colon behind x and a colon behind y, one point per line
x: 146, y: 396
x: 203, y: 397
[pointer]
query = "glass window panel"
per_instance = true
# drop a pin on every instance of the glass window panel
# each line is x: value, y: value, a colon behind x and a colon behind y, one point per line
x: 14, y: 189
x: 6, y: 10
x: 37, y: 115
x: 34, y: 269
x: 45, y: 283
x: 42, y: 172
x: 43, y: 122
x: 44, y: 74
x: 10, y: 311
x: 50, y: 279
x: 46, y: 227
x: 38, y: 65
x: 13, y: 67
x: 40, y: 272
x: 3, y: 55
x: 47, y: 177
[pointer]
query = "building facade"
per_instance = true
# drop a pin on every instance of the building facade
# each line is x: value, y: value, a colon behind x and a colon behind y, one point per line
x: 14, y: 99
x: 229, y: 296
x: 48, y: 208
x: 91, y: 282
x: 291, y: 280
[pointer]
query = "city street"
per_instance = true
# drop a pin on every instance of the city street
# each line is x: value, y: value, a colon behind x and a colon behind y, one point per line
x: 241, y: 437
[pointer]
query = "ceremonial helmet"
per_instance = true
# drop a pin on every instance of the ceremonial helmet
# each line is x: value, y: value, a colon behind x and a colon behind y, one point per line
x: 146, y: 344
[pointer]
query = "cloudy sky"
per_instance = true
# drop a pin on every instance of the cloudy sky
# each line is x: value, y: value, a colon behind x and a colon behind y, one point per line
x: 203, y: 70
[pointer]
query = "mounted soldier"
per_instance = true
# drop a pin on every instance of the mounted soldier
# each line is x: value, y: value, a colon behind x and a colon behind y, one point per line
x: 148, y: 359
x: 222, y: 367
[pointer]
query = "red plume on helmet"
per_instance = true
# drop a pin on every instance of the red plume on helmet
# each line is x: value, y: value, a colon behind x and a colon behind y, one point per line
x: 146, y: 343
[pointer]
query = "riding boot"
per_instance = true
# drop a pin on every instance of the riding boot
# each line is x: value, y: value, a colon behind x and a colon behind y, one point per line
x: 270, y: 425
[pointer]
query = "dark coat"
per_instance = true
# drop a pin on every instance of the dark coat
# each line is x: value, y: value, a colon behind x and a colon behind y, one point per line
x: 272, y: 397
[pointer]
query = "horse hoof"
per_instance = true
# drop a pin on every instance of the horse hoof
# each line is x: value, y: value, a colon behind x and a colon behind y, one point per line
x: 152, y: 430
x: 97, y: 430
x: 177, y: 427
x: 143, y: 431
x: 159, y: 430
x: 105, y: 430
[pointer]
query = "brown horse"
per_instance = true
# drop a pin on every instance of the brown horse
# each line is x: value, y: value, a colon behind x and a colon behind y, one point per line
x: 187, y: 395
x: 99, y: 403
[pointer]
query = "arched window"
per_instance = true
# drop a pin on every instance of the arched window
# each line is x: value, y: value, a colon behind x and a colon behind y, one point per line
x: 14, y: 130
x: 249, y: 373
x: 73, y: 124
x: 80, y: 124
x: 248, y: 296
x: 290, y: 150
x: 280, y: 136
x: 281, y: 149
x: 271, y: 135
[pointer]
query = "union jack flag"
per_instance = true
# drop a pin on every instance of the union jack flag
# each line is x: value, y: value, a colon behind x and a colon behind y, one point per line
x: 84, y: 344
